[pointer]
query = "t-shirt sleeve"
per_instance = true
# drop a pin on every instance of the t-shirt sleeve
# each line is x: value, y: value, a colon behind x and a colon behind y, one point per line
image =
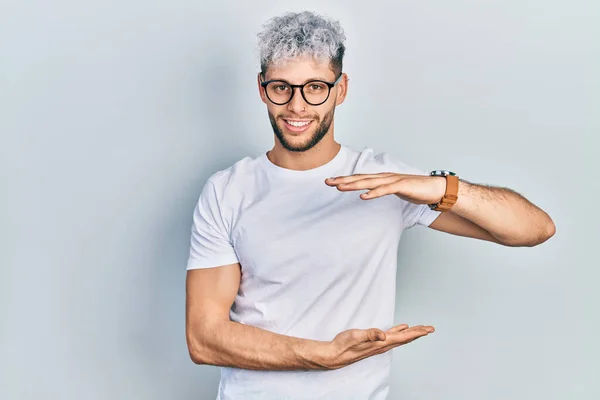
x: 418, y: 214
x: 210, y: 244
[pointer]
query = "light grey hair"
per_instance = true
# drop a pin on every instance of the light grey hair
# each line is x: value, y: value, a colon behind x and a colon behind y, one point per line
x: 299, y: 36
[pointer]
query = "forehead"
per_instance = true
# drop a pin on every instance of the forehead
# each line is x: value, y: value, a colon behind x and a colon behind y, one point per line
x: 301, y: 70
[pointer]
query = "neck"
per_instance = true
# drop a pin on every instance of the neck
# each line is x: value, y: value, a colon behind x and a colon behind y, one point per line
x: 317, y: 156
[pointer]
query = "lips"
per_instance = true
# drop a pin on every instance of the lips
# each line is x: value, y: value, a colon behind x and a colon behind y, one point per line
x: 297, y: 126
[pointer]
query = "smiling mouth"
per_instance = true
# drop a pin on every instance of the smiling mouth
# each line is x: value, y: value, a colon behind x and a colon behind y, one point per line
x: 297, y: 126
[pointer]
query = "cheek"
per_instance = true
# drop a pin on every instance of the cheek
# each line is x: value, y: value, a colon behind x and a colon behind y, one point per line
x: 274, y: 112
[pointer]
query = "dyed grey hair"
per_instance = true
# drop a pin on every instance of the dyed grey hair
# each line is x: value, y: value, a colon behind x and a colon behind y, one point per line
x: 301, y: 35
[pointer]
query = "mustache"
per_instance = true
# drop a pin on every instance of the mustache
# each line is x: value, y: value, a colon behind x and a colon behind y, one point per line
x: 298, y: 116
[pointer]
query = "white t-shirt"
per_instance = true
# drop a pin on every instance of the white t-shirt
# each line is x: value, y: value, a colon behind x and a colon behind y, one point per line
x: 315, y: 261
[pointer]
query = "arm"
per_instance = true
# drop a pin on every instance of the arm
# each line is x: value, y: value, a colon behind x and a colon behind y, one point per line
x: 490, y: 213
x: 495, y: 214
x: 214, y: 339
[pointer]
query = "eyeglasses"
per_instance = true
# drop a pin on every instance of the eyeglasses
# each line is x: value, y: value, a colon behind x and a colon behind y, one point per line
x: 314, y: 93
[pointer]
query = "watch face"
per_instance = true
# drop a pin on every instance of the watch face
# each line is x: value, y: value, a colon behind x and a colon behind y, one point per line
x: 442, y: 172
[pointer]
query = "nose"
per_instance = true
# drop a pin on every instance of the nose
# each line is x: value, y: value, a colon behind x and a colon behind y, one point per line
x: 297, y: 104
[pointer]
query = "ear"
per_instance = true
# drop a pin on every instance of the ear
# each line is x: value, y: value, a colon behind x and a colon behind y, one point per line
x: 261, y: 91
x: 342, y: 89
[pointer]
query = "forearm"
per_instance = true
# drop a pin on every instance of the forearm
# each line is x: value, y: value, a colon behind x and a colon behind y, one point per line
x: 505, y: 214
x: 231, y: 344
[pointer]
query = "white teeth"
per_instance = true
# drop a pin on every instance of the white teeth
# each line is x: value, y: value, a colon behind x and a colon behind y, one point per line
x: 298, y: 124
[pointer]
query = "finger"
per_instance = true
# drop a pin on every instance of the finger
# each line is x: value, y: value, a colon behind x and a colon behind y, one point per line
x: 351, y: 178
x: 367, y: 183
x: 428, y: 328
x: 402, y: 338
x: 412, y: 333
x: 397, y: 328
x: 391, y: 346
x: 373, y: 348
x: 380, y: 191
x: 401, y: 334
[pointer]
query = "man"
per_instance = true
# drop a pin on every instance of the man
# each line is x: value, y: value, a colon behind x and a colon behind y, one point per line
x: 291, y: 274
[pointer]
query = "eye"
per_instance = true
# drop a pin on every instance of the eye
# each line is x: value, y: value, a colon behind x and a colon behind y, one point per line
x: 315, y: 87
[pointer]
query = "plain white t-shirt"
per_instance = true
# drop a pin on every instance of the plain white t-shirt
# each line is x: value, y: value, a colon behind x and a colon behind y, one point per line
x: 315, y: 261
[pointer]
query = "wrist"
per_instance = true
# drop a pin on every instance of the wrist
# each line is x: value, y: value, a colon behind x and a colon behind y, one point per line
x: 314, y: 354
x: 447, y: 190
x: 439, y: 188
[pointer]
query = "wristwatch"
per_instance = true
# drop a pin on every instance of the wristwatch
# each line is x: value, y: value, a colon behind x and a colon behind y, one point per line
x: 451, y: 194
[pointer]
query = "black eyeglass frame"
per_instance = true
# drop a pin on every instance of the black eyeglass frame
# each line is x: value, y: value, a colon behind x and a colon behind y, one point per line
x: 330, y: 85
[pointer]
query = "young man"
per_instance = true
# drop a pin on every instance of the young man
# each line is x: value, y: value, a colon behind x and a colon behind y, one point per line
x: 292, y: 268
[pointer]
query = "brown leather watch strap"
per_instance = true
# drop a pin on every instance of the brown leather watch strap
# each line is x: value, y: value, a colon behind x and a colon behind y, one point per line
x: 450, y: 196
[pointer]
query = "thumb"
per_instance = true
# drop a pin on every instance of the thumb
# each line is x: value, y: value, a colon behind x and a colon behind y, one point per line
x: 373, y: 335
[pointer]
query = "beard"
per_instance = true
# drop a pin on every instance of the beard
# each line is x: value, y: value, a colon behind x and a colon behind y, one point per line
x: 319, y: 133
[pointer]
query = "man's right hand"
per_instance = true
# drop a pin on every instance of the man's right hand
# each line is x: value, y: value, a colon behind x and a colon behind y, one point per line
x: 354, y: 345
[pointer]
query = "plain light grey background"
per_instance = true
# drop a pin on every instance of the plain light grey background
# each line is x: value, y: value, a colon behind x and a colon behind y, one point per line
x: 113, y: 114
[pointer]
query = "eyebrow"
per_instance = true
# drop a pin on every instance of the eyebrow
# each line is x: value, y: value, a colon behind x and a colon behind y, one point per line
x: 306, y: 81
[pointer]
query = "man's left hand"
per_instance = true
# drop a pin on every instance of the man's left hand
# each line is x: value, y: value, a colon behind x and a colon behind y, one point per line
x: 418, y: 189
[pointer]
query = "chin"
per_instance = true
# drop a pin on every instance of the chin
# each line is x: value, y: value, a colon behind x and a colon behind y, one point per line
x: 300, y: 136
x: 299, y: 146
x: 295, y: 142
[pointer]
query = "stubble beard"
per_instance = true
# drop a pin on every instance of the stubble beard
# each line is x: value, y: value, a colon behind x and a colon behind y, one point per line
x: 319, y: 133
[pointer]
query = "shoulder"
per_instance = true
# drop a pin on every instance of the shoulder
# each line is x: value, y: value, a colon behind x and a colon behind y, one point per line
x: 370, y: 160
x: 229, y: 184
x: 230, y: 176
